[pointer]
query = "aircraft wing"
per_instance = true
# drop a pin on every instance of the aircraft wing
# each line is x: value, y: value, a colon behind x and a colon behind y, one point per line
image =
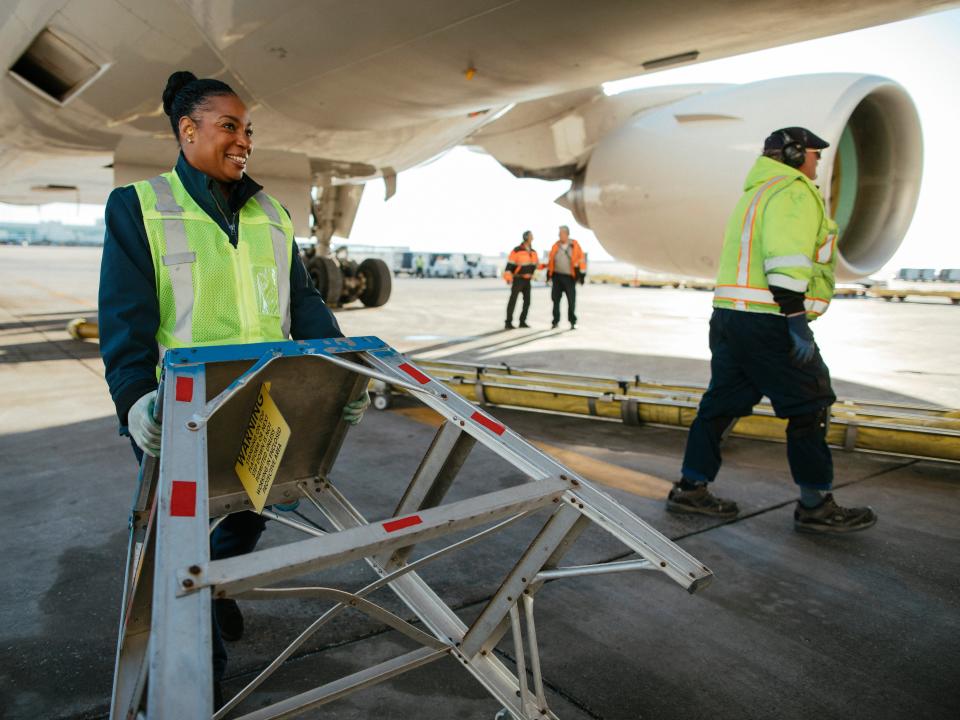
x: 347, y: 90
x: 359, y: 88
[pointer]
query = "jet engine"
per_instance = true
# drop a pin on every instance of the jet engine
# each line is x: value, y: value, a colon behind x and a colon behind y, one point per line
x: 657, y: 191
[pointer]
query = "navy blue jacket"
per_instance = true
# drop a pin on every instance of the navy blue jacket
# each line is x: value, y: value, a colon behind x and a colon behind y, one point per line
x: 129, y: 310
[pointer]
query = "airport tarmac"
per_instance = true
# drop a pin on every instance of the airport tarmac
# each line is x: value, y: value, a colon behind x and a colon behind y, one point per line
x: 793, y: 626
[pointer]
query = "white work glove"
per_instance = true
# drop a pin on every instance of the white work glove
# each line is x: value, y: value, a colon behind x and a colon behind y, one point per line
x: 287, y: 507
x: 143, y: 427
x: 353, y: 411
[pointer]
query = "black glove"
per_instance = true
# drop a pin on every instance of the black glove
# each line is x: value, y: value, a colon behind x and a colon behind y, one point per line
x: 581, y: 278
x: 801, y: 338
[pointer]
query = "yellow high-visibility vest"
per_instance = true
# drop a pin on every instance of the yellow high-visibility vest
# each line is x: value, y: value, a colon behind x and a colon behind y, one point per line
x: 210, y: 292
x: 778, y: 234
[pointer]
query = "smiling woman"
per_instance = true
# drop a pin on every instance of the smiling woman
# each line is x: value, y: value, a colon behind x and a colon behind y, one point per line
x: 201, y: 255
x: 211, y: 124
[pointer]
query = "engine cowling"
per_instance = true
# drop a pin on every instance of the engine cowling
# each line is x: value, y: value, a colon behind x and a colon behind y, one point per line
x: 657, y: 191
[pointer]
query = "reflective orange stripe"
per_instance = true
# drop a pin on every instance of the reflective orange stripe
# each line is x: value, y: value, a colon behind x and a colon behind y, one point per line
x: 737, y: 293
x: 825, y: 251
x: 740, y: 296
x: 746, y: 236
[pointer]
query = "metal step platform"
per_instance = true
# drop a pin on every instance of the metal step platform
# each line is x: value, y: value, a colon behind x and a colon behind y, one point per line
x: 207, y: 399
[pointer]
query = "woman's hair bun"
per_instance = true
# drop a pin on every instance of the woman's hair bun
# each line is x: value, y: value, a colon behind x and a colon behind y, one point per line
x: 175, y: 83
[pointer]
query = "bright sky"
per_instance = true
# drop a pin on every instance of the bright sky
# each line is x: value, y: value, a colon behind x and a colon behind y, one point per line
x: 466, y: 201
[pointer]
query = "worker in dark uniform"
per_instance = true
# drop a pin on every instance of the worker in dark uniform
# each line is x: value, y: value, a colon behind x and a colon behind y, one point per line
x: 521, y: 265
x: 566, y: 267
x: 776, y: 276
x: 201, y: 256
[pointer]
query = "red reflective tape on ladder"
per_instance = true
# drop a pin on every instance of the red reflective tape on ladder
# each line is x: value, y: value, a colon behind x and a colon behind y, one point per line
x: 414, y: 373
x: 402, y: 523
x: 488, y: 423
x: 184, y: 388
x: 183, y: 499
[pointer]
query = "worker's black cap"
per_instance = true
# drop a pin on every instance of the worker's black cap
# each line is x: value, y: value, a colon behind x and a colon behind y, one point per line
x: 778, y: 138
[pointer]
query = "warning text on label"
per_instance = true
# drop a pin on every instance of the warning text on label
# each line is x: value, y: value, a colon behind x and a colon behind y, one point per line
x: 264, y: 442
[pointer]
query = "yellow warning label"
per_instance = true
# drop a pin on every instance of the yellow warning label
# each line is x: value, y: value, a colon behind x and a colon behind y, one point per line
x: 264, y: 442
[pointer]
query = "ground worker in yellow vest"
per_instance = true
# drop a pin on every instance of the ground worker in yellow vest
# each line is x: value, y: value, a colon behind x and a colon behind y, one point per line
x: 521, y: 265
x: 776, y: 275
x: 201, y: 255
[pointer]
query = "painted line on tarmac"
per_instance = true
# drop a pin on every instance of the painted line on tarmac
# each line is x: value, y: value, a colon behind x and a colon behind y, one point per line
x: 598, y: 471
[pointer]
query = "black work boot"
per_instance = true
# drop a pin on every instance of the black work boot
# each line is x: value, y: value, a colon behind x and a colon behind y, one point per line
x: 700, y: 501
x: 229, y: 618
x: 508, y: 325
x: 828, y: 518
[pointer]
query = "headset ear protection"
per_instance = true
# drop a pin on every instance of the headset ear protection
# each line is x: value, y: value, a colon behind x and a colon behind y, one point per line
x: 793, y: 152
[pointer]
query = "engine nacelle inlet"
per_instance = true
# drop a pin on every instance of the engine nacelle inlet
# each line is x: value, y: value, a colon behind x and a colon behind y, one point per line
x: 658, y: 190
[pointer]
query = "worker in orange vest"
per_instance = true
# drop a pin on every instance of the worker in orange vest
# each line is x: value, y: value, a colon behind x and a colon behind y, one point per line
x: 566, y: 267
x: 521, y: 265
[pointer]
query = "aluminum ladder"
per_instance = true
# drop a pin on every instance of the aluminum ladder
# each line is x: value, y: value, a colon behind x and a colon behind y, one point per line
x: 163, y: 664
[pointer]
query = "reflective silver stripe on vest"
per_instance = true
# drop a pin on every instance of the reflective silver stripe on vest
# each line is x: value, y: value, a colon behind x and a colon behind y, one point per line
x: 787, y: 261
x: 165, y: 202
x: 179, y: 268
x: 179, y: 258
x: 743, y: 294
x: 785, y: 281
x: 746, y: 233
x: 280, y: 245
x: 825, y: 253
x: 817, y: 307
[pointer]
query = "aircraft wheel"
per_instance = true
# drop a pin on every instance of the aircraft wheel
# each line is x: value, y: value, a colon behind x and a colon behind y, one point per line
x: 327, y: 278
x: 381, y: 401
x: 378, y: 282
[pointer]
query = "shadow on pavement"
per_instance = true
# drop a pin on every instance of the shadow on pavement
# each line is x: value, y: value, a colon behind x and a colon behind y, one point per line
x: 67, y: 349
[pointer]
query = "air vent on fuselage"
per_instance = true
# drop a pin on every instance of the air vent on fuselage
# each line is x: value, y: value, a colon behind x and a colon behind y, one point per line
x: 54, y: 67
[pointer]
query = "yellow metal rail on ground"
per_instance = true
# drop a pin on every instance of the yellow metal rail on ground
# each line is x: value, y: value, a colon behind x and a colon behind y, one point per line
x: 901, y: 294
x: 892, y: 428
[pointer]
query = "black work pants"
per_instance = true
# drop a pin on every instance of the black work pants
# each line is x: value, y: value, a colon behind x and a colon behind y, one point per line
x: 520, y: 285
x: 236, y: 535
x: 750, y: 359
x: 564, y: 285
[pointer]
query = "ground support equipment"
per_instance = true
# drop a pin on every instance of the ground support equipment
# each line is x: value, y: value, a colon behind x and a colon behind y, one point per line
x: 879, y: 427
x: 901, y: 291
x: 163, y: 667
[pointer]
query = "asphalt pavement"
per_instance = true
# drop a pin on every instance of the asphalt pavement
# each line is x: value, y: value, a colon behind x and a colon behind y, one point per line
x: 792, y: 626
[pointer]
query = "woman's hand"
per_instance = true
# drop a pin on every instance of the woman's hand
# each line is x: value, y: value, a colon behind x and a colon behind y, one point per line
x: 353, y: 411
x: 143, y: 427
